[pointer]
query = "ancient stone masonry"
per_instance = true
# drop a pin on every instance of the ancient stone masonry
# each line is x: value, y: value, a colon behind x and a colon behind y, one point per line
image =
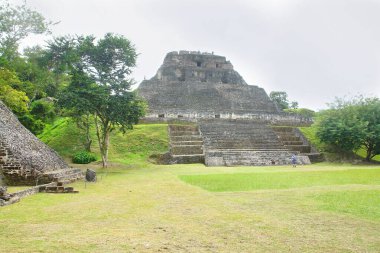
x: 186, y: 144
x: 24, y: 159
x: 191, y: 82
x: 231, y: 118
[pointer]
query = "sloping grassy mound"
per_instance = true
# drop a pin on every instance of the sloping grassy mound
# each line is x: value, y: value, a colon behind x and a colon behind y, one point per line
x: 134, y: 146
x: 282, y: 180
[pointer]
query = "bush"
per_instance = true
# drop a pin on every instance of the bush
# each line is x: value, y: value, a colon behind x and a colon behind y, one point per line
x: 83, y: 157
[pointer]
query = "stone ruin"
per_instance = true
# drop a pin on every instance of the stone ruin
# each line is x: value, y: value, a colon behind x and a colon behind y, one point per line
x: 224, y: 121
x: 25, y: 160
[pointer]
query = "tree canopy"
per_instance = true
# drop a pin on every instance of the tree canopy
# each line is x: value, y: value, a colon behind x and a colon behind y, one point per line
x: 281, y: 99
x: 100, y: 83
x: 351, y: 125
x: 16, y: 23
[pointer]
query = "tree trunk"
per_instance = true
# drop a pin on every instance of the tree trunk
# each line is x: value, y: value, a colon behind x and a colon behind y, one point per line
x: 369, y: 154
x: 88, y: 137
x: 98, y: 134
x: 103, y: 134
x: 106, y: 145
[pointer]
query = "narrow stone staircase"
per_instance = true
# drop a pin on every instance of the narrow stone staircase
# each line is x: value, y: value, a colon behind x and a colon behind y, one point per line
x: 293, y: 140
x: 186, y: 144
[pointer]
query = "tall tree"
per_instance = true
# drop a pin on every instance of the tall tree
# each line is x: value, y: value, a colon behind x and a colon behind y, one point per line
x: 16, y: 23
x: 104, y: 65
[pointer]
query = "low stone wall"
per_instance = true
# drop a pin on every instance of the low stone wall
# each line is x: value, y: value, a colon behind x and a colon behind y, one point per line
x: 15, y: 197
x: 250, y: 158
x: 273, y: 119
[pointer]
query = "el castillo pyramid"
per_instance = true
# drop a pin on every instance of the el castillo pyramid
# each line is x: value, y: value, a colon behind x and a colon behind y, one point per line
x: 228, y: 121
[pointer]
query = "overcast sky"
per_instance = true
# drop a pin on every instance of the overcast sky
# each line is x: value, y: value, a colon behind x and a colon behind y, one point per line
x: 314, y: 50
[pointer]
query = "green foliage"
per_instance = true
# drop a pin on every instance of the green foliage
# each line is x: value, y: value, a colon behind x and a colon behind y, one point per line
x: 36, y: 126
x: 129, y: 148
x: 83, y: 157
x: 16, y: 23
x: 281, y: 99
x: 311, y: 135
x: 16, y: 100
x: 351, y: 125
x: 43, y: 110
x: 301, y: 111
x: 100, y: 84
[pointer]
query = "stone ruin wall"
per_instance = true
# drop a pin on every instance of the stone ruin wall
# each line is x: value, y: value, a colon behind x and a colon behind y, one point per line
x: 194, y: 83
x: 285, y: 119
x: 29, y: 156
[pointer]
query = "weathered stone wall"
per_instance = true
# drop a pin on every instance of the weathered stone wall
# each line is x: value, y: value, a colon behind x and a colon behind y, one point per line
x: 282, y: 119
x: 193, y: 82
x: 251, y: 157
x: 24, y: 154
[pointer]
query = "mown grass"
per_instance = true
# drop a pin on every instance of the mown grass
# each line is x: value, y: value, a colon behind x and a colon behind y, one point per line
x: 149, y: 209
x: 363, y: 204
x: 139, y: 207
x: 282, y: 180
x: 134, y: 146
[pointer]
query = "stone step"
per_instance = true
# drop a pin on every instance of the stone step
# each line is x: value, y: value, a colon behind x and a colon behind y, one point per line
x: 300, y: 148
x: 188, y: 159
x: 293, y: 142
x: 182, y: 143
x: 183, y: 128
x: 186, y: 150
x: 184, y: 133
x: 186, y: 138
x: 289, y: 138
x: 248, y: 158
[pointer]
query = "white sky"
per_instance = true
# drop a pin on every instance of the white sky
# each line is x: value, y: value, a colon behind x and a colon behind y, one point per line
x: 314, y: 50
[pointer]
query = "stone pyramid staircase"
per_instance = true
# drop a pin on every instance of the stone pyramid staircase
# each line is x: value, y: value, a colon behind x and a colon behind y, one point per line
x: 186, y: 144
x: 242, y: 142
x: 11, y: 168
x: 14, y: 173
x: 293, y: 139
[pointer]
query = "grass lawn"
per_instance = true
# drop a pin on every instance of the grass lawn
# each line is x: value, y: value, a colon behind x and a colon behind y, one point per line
x: 154, y: 208
x: 140, y: 207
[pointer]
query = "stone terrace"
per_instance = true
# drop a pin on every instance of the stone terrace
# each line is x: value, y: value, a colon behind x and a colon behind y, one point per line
x: 243, y: 142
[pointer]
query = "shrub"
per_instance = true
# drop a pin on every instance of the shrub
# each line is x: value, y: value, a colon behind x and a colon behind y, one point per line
x: 83, y: 157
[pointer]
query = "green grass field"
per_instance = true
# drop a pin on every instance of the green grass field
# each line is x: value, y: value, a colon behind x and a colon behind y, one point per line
x: 283, y: 180
x: 152, y: 209
x: 140, y: 207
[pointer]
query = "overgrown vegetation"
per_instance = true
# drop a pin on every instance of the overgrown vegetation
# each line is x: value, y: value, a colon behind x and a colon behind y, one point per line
x: 133, y: 147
